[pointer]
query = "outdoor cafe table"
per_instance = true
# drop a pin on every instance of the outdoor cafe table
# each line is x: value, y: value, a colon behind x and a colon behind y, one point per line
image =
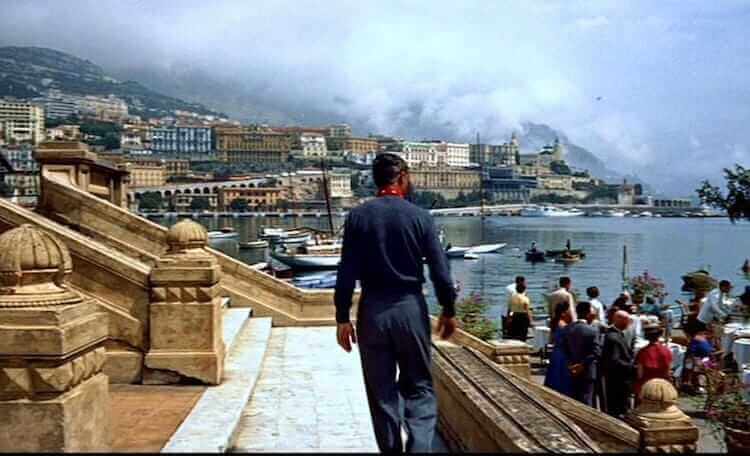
x: 741, y: 351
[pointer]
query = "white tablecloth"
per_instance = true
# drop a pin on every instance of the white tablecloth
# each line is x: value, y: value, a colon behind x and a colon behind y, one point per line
x: 741, y: 351
x: 541, y: 337
x: 731, y: 331
x: 746, y: 380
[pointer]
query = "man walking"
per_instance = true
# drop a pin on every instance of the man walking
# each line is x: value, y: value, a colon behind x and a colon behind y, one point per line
x: 385, y: 241
x: 583, y: 348
x: 617, y: 365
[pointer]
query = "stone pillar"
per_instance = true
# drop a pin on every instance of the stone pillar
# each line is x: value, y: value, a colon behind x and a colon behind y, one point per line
x: 53, y: 396
x: 664, y: 428
x: 185, y: 313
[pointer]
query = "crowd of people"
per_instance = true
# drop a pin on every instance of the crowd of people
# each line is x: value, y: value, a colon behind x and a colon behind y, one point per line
x: 593, y: 357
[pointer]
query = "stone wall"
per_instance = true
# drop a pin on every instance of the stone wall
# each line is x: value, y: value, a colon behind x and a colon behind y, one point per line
x: 118, y: 284
x: 145, y: 241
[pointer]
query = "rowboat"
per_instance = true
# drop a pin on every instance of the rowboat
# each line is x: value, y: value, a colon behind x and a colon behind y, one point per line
x: 558, y: 253
x: 535, y: 256
x: 568, y: 258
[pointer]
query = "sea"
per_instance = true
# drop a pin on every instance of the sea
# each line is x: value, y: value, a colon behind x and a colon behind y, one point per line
x: 666, y: 248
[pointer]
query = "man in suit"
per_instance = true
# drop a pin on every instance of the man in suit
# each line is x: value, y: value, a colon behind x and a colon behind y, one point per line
x: 385, y: 241
x: 617, y: 365
x: 582, y: 347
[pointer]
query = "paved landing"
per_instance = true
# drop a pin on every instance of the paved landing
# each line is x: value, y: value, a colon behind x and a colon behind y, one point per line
x: 310, y: 397
x: 144, y: 416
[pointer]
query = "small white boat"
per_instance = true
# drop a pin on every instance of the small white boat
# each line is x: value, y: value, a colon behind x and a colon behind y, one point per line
x: 457, y: 252
x: 254, y: 245
x: 615, y: 213
x: 647, y: 214
x: 485, y: 248
x: 307, y: 262
x: 549, y: 211
x: 224, y: 233
x: 471, y: 256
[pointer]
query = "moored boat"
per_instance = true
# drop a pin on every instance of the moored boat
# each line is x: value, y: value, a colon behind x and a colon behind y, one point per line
x: 549, y: 211
x: 261, y: 244
x: 223, y: 233
x: 486, y: 248
x: 307, y: 262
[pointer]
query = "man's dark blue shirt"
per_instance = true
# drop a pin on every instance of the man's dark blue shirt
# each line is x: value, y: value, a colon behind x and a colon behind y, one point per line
x: 386, y: 243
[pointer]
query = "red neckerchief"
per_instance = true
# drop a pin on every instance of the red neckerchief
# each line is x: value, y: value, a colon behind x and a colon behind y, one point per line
x: 391, y: 190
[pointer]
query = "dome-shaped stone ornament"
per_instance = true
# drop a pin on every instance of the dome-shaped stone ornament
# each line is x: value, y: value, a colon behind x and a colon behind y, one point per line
x: 186, y: 234
x: 34, y: 266
x: 659, y: 396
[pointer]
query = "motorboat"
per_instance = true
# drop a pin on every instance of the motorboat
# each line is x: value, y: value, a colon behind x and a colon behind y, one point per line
x: 223, y: 233
x: 282, y: 236
x: 615, y: 213
x: 261, y: 244
x: 471, y: 256
x: 550, y: 211
x: 647, y: 214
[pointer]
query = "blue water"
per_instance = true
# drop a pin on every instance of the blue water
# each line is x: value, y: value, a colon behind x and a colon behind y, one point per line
x: 666, y: 247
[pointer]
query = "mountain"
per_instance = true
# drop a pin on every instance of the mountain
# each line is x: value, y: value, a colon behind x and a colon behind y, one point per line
x: 27, y: 72
x: 535, y: 136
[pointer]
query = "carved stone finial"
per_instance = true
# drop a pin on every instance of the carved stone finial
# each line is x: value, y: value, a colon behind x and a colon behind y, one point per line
x: 34, y: 266
x: 663, y: 426
x: 186, y: 234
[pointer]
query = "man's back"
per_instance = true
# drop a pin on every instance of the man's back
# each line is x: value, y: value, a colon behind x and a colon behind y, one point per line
x: 582, y: 345
x: 385, y: 241
x: 558, y: 296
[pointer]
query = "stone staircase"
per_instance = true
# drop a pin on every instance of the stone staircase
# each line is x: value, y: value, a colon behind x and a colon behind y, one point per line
x: 212, y: 423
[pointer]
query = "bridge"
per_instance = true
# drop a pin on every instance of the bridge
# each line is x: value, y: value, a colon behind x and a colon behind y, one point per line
x: 198, y: 188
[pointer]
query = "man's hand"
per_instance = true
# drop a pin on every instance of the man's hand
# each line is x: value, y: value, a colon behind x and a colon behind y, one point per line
x: 346, y: 336
x: 446, y: 326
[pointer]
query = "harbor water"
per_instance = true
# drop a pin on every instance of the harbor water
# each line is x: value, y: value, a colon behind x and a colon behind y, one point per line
x: 665, y: 247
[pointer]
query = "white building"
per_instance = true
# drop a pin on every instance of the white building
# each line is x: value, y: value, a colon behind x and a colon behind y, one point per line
x: 312, y: 145
x: 416, y: 153
x: 452, y: 154
x: 21, y: 122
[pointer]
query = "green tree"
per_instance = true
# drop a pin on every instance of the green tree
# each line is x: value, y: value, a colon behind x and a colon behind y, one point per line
x: 199, y: 203
x: 736, y: 201
x: 471, y: 312
x: 238, y: 205
x: 151, y: 201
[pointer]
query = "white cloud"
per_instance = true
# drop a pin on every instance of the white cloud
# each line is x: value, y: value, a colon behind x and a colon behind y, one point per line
x: 591, y: 22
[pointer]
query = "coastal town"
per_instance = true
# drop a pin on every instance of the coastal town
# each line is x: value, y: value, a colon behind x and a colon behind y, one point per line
x: 359, y: 227
x: 189, y: 162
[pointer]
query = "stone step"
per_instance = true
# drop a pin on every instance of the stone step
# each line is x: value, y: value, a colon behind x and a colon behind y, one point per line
x: 233, y: 321
x: 211, y: 424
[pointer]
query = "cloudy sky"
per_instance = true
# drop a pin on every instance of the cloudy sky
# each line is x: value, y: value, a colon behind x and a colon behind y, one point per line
x: 660, y: 88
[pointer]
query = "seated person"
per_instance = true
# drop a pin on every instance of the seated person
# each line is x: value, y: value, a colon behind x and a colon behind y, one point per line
x: 650, y: 307
x: 700, y: 346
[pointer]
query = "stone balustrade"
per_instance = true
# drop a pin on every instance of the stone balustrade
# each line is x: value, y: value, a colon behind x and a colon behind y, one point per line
x: 53, y: 394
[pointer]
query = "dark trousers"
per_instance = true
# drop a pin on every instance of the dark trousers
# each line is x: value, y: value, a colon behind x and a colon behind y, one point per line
x: 618, y: 393
x: 395, y: 336
x: 519, y: 326
x: 583, y: 390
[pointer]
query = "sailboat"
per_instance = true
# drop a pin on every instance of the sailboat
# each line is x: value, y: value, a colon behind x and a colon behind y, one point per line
x: 471, y: 252
x: 314, y: 257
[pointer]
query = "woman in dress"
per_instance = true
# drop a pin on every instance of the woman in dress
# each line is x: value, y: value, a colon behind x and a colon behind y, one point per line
x: 520, y: 308
x: 558, y: 375
x: 654, y: 360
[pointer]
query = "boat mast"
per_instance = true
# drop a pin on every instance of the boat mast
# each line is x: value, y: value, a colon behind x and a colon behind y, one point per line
x: 481, y: 186
x: 624, y: 267
x: 327, y: 195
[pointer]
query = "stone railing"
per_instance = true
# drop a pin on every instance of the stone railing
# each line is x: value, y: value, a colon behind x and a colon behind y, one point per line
x: 119, y: 284
x: 511, y: 354
x: 144, y: 240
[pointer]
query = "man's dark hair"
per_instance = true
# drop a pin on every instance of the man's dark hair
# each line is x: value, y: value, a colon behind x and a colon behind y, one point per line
x: 386, y: 168
x: 520, y: 287
x: 564, y: 281
x: 592, y: 292
x: 583, y: 309
x: 520, y: 279
x: 725, y: 283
